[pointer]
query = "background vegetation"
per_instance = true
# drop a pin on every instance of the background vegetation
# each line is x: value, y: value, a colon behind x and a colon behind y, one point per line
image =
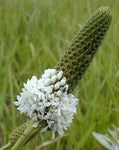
x: 33, y: 37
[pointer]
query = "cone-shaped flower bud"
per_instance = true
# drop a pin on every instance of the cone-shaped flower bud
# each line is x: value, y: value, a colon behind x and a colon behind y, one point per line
x: 84, y: 46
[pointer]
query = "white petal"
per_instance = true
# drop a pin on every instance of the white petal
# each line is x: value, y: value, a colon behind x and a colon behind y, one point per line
x: 63, y: 82
x: 57, y: 86
x: 53, y: 79
x: 59, y: 75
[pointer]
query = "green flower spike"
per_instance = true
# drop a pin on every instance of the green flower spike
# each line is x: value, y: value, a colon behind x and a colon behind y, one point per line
x: 83, y: 47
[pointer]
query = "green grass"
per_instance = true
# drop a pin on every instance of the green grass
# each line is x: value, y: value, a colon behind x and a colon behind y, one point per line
x: 33, y: 37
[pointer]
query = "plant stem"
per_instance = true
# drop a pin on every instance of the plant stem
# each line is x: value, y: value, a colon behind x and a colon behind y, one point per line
x: 24, y: 137
x: 5, y: 146
x: 29, y: 132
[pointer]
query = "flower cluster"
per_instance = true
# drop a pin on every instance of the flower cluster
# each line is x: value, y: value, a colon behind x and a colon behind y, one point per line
x: 47, y: 99
x: 111, y: 141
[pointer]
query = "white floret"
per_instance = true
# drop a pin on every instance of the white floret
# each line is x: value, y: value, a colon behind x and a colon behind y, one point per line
x: 53, y: 79
x: 57, y: 86
x: 63, y: 81
x: 47, y: 82
x: 53, y: 72
x: 59, y: 75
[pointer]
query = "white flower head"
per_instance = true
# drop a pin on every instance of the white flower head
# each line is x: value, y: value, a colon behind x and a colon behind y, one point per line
x: 111, y: 141
x: 48, y: 99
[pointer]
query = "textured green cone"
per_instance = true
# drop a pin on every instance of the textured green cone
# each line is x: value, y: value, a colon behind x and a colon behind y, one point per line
x: 80, y: 53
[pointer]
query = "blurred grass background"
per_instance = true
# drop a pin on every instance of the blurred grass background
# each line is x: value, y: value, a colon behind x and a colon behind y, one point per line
x: 33, y: 37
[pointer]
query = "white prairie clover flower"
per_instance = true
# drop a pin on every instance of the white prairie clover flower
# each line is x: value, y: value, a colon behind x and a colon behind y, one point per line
x: 111, y: 141
x: 47, y: 99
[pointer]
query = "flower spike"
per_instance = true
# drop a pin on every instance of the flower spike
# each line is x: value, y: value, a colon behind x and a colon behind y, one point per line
x: 48, y: 101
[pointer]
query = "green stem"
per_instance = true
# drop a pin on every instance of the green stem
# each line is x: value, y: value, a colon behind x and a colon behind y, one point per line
x: 29, y: 132
x: 24, y: 137
x: 5, y: 146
